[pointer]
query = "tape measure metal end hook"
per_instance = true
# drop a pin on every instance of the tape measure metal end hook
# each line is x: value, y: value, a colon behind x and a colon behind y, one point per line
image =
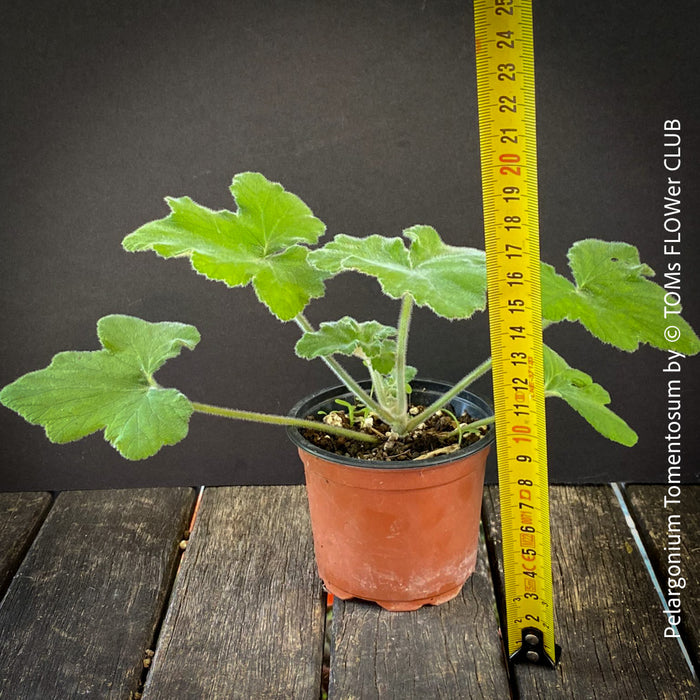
x: 532, y: 650
x: 505, y: 85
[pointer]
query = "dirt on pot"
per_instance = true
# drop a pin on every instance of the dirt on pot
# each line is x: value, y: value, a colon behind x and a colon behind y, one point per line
x: 438, y: 435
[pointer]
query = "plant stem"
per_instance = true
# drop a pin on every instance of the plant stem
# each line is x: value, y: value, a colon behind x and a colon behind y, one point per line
x: 474, y: 426
x: 345, y: 377
x: 448, y: 396
x: 280, y: 420
x: 401, y: 351
x: 378, y: 386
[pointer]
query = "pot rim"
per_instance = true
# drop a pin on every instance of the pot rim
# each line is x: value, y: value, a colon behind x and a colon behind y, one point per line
x: 306, y: 406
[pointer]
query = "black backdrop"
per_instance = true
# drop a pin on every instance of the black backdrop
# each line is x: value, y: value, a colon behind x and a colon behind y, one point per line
x: 367, y: 110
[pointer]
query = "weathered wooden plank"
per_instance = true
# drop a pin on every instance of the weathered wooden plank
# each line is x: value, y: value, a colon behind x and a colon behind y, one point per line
x: 607, y: 614
x: 669, y: 524
x: 83, y: 607
x: 247, y: 615
x: 448, y: 651
x: 21, y: 514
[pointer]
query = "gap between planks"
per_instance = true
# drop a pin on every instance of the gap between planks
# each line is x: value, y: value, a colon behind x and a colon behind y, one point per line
x: 84, y: 604
x: 608, y: 618
x: 247, y: 615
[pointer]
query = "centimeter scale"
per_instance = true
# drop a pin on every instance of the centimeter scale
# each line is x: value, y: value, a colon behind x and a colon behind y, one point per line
x: 506, y: 92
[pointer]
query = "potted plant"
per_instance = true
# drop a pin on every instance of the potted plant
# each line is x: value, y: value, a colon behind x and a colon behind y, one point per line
x: 393, y: 461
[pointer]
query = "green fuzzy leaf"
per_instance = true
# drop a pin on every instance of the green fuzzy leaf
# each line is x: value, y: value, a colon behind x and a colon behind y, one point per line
x: 588, y: 399
x: 613, y: 298
x: 371, y: 341
x: 111, y: 389
x: 263, y: 243
x: 449, y: 280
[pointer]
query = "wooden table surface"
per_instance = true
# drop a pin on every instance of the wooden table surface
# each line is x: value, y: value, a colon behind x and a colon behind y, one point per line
x: 100, y: 600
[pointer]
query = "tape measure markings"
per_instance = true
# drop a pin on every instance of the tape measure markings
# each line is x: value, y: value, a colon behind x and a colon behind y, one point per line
x: 507, y: 130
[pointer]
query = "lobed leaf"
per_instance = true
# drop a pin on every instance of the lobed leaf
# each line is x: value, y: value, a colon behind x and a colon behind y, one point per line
x: 449, y: 280
x: 613, y: 298
x: 369, y: 340
x: 111, y: 389
x: 263, y: 243
x: 588, y: 399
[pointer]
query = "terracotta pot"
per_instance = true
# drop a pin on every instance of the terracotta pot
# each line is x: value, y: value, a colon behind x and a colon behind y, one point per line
x: 401, y: 534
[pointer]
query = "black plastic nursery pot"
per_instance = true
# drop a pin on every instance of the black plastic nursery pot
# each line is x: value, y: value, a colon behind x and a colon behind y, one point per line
x: 401, y: 534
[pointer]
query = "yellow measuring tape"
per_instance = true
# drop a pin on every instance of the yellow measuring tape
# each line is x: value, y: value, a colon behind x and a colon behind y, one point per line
x: 506, y: 90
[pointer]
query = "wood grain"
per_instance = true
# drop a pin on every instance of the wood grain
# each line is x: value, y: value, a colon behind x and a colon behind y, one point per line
x: 608, y: 618
x: 247, y: 615
x: 660, y: 522
x: 21, y: 515
x: 83, y: 607
x: 449, y: 651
